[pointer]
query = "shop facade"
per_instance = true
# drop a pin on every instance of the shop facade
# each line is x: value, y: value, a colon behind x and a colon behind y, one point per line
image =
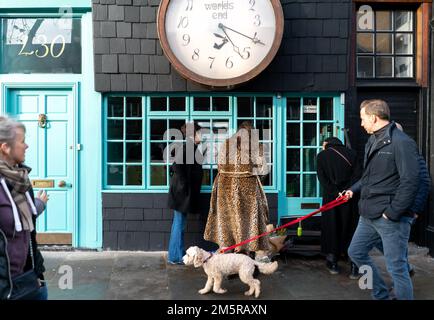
x: 112, y: 112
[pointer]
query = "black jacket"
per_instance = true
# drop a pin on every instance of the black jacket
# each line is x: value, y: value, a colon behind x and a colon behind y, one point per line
x: 185, y: 182
x: 335, y: 174
x: 391, y: 175
x: 5, y: 277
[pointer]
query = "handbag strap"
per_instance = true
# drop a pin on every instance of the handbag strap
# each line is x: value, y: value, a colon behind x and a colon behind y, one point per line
x: 343, y: 157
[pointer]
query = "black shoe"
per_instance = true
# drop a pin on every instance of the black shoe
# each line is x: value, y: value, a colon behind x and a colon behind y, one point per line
x: 354, y: 274
x: 332, y: 267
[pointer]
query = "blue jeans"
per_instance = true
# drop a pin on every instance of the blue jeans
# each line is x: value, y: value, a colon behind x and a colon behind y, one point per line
x: 394, y: 238
x: 176, y: 243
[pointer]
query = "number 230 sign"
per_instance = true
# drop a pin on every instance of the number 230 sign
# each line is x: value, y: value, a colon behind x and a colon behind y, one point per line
x: 45, y: 48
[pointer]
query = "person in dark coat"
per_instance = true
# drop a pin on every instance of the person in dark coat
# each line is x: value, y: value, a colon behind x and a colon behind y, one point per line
x: 337, y: 169
x: 388, y: 188
x: 185, y: 183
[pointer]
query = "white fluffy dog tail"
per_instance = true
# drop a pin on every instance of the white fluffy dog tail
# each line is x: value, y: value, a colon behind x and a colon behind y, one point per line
x: 266, y: 268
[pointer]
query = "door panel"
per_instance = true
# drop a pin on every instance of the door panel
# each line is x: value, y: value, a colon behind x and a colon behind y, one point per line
x: 50, y: 156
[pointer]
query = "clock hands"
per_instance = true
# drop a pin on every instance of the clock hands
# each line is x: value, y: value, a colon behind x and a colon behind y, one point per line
x: 224, y: 41
x: 254, y: 39
x: 236, y: 49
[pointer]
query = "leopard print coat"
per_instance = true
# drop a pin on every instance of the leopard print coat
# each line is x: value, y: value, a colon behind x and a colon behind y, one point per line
x: 239, y: 208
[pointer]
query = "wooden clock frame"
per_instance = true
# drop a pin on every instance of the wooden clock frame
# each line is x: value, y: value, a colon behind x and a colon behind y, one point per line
x: 190, y: 75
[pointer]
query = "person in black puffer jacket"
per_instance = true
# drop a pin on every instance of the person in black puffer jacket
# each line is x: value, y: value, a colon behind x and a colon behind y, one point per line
x: 19, y: 209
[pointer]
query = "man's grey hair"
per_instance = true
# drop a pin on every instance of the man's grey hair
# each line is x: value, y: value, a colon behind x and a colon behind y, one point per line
x: 8, y: 128
x: 376, y: 107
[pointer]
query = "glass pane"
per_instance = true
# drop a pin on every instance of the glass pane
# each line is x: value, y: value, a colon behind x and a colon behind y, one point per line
x: 202, y: 104
x: 310, y: 108
x: 293, y: 108
x: 158, y: 127
x: 365, y: 43
x: 175, y: 130
x: 292, y: 134
x: 220, y: 129
x: 268, y: 152
x: 365, y: 20
x: 383, y: 20
x: 134, y: 176
x: 384, y: 67
x: 40, y: 45
x: 265, y: 128
x: 404, y: 67
x: 158, y: 176
x: 293, y: 185
x: 177, y: 104
x: 157, y: 152
x: 292, y: 159
x: 206, y: 177
x: 325, y: 131
x: 326, y: 108
x: 365, y: 67
x: 384, y: 43
x: 309, y: 185
x: 267, y: 180
x: 115, y: 129
x: 158, y: 104
x: 134, y: 107
x: 220, y: 103
x: 114, y: 175
x: 115, y: 152
x: 133, y: 152
x: 403, y: 21
x: 309, y: 134
x: 264, y: 107
x: 403, y: 43
x: 309, y: 159
x: 214, y: 174
x: 245, y: 106
x: 134, y: 130
x: 115, y: 107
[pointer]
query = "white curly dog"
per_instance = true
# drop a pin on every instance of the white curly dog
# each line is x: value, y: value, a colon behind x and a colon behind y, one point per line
x: 217, y: 266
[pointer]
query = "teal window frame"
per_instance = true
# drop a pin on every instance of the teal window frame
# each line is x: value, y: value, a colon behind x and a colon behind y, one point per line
x: 290, y: 205
x: 189, y: 114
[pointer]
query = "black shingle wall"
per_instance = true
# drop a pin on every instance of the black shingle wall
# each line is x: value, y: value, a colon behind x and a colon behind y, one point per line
x: 313, y: 55
x: 142, y: 221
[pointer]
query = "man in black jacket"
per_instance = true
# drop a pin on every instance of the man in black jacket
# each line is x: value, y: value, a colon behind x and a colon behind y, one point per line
x: 388, y: 187
x: 337, y: 169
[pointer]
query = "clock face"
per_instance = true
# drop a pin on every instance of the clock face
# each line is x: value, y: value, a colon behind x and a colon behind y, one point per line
x: 220, y: 42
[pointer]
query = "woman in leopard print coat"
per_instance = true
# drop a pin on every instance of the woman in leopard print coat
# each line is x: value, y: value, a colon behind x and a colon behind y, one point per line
x: 239, y: 208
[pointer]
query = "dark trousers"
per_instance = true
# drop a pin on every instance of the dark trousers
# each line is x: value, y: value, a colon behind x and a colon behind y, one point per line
x: 337, y: 229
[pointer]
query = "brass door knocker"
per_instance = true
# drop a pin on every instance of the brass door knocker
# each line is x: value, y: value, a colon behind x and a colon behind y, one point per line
x: 42, y: 120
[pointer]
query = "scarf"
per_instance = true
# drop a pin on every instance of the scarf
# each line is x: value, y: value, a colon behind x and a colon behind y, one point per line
x: 18, y: 178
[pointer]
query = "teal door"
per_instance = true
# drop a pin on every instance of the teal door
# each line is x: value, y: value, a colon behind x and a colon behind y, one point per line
x: 50, y: 155
x: 308, y: 121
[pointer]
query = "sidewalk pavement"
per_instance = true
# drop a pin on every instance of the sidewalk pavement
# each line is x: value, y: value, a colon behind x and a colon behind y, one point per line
x: 120, y: 275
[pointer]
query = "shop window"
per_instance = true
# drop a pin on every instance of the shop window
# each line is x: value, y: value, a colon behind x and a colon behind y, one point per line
x: 259, y: 111
x: 124, y: 141
x: 142, y: 134
x: 385, y: 44
x: 40, y: 45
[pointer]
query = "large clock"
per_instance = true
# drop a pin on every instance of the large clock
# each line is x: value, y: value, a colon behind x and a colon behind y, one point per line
x: 220, y: 43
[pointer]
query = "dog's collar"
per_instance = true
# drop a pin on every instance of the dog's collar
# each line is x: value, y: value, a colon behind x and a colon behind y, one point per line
x: 210, y: 255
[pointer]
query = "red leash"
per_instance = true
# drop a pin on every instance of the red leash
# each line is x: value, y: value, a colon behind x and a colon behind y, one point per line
x: 327, y: 206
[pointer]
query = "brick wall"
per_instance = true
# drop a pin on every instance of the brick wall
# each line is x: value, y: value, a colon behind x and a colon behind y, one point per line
x: 313, y: 55
x: 143, y: 221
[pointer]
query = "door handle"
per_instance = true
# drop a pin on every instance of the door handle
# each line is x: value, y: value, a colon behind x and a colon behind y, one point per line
x: 62, y: 184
